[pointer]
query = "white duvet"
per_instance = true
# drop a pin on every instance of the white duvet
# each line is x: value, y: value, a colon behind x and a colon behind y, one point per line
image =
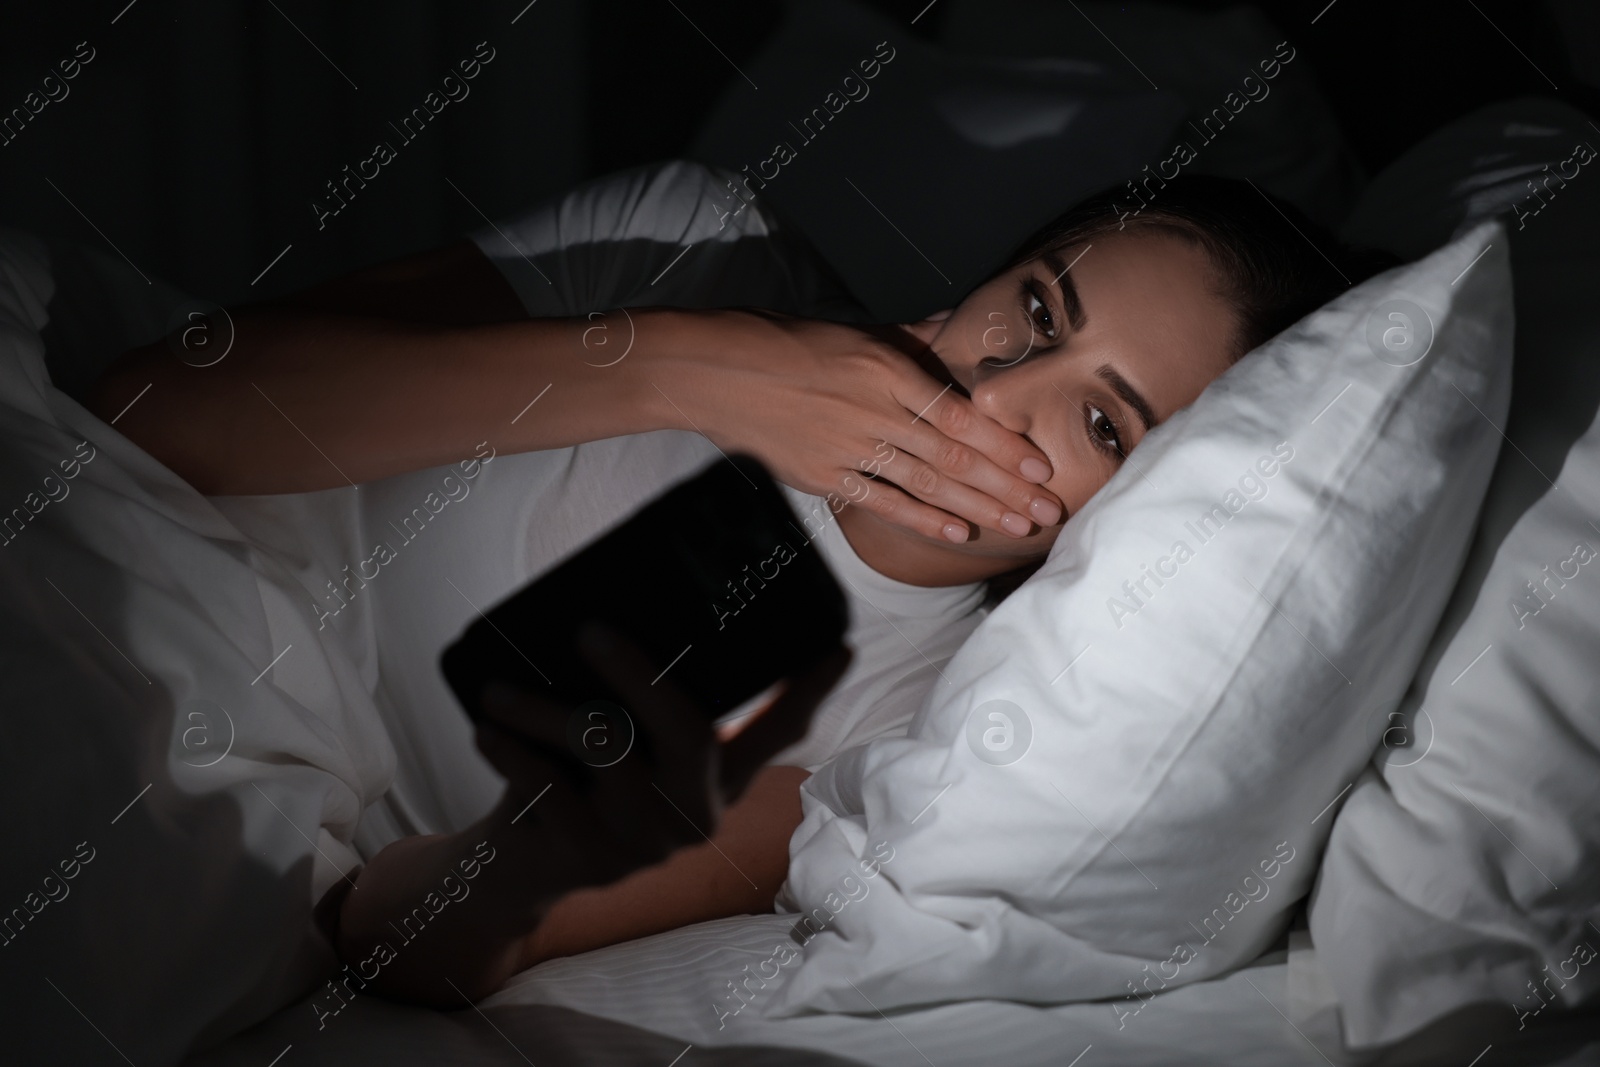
x: 179, y: 736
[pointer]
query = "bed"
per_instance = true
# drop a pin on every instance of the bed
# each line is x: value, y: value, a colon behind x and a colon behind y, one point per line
x: 653, y: 1000
x: 658, y: 1000
x: 666, y: 997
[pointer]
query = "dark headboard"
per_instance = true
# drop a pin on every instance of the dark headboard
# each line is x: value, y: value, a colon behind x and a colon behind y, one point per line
x: 1394, y: 70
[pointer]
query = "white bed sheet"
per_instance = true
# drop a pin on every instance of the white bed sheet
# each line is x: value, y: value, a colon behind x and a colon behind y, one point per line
x: 669, y: 984
x: 650, y: 1001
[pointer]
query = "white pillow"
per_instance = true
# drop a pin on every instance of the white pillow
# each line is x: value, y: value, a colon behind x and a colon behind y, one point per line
x: 185, y: 759
x: 1177, y: 742
x: 1468, y: 867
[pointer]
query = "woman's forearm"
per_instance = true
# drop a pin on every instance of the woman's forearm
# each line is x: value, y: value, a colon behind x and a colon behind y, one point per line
x: 737, y: 871
x: 439, y: 918
x: 311, y: 399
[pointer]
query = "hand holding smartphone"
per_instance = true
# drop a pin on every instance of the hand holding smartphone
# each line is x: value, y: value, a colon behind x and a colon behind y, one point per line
x: 714, y: 583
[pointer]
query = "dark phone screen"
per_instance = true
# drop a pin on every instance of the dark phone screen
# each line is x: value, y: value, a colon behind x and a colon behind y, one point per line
x: 715, y: 579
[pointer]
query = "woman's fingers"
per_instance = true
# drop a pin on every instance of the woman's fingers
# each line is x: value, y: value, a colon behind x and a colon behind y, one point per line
x: 966, y: 444
x: 674, y: 731
x: 663, y: 713
x: 663, y: 790
x: 891, y: 504
x: 968, y: 494
x: 525, y: 713
x: 527, y: 768
x: 928, y: 389
x: 783, y: 723
x: 606, y: 814
x: 596, y: 831
x: 949, y: 455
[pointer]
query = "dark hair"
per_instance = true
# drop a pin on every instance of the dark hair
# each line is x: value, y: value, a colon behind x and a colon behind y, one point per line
x: 1272, y: 265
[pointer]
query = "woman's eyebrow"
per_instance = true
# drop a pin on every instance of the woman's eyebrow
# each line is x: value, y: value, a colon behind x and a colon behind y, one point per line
x: 1069, y: 292
x: 1130, y: 396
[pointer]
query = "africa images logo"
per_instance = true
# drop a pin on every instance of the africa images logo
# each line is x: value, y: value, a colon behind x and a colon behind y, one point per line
x: 999, y: 732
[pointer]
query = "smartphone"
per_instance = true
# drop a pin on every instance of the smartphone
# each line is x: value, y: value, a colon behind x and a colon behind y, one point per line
x: 715, y: 580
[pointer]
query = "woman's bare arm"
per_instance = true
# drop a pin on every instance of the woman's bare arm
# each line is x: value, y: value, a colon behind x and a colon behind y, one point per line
x: 737, y: 871
x: 421, y: 362
x: 398, y: 367
x: 469, y: 899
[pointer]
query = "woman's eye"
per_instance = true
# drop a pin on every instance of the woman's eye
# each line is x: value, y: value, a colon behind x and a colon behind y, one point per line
x: 1104, y: 431
x: 1039, y: 312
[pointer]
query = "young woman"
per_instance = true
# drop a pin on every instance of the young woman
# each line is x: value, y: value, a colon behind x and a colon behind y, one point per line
x: 934, y: 462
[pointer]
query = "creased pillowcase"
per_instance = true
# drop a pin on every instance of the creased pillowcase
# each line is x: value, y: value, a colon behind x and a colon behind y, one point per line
x: 913, y: 172
x: 1466, y: 871
x: 1126, y: 780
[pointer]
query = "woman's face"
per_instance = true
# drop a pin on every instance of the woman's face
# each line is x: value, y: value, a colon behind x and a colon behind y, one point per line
x: 1082, y: 351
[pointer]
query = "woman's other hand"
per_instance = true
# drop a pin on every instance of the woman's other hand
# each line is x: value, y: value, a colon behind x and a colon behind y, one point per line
x: 564, y: 824
x: 596, y: 812
x: 848, y: 411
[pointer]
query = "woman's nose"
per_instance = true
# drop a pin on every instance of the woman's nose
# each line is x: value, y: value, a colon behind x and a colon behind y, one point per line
x: 1007, y: 393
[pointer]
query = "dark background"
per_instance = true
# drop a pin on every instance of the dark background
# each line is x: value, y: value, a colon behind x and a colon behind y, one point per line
x: 197, y: 138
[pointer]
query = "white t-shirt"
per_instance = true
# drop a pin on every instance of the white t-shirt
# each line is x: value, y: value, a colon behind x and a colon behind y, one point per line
x: 902, y: 636
x: 396, y: 569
